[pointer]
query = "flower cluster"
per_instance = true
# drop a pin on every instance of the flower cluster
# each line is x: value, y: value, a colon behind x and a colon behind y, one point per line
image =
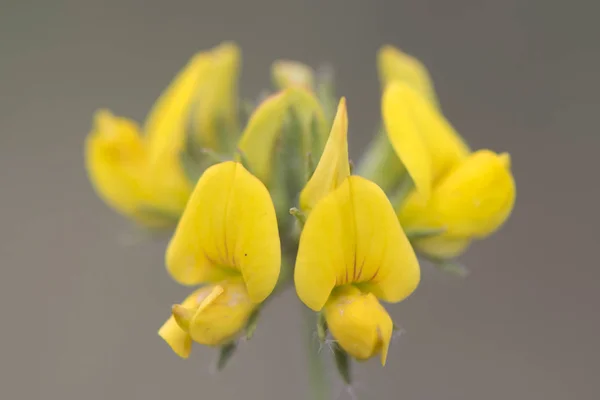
x: 263, y: 196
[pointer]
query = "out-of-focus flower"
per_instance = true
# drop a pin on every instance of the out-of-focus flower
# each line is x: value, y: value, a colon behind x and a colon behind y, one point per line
x: 460, y: 194
x: 227, y: 238
x: 352, y: 251
x: 139, y: 172
x: 288, y: 73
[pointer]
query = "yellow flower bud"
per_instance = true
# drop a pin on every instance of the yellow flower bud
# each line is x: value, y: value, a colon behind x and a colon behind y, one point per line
x: 359, y: 323
x: 292, y: 73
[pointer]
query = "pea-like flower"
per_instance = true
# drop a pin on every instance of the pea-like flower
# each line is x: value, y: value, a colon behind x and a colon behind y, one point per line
x: 460, y: 194
x: 138, y: 172
x: 352, y: 252
x: 227, y: 239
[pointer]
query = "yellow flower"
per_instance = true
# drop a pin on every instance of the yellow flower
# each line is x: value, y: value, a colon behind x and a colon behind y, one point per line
x: 351, y: 252
x: 140, y: 174
x: 466, y: 195
x: 227, y: 237
x: 470, y: 202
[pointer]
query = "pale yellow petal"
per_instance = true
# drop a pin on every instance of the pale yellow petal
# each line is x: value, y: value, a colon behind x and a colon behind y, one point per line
x: 287, y: 74
x: 359, y: 323
x: 353, y: 236
x: 401, y: 126
x: 228, y: 225
x: 216, y: 111
x: 167, y: 122
x: 442, y: 247
x: 333, y: 167
x: 395, y: 65
x: 116, y: 161
x: 260, y: 136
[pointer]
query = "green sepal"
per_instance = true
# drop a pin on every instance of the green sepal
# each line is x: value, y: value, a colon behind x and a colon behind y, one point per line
x: 322, y: 328
x: 225, y: 354
x: 415, y: 234
x: 299, y: 215
x: 451, y: 266
x: 343, y: 363
x: 252, y: 324
x: 163, y: 217
x: 326, y: 91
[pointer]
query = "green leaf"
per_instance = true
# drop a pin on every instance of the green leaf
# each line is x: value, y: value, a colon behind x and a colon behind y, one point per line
x: 414, y: 234
x: 225, y: 354
x: 342, y: 362
x: 252, y: 324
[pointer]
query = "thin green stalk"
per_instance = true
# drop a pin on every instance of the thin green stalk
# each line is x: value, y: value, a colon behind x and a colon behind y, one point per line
x: 319, y: 385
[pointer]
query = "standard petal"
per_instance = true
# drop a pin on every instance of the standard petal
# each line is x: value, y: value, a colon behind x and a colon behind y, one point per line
x: 217, y: 105
x: 476, y: 197
x: 167, y: 122
x: 333, y: 166
x: 353, y: 236
x: 260, y: 136
x: 228, y: 226
x: 401, y: 125
x: 395, y: 65
x: 445, y: 146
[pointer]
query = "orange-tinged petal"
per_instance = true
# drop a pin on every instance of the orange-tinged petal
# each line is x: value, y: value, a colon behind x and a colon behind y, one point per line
x: 352, y: 236
x: 229, y: 226
x: 333, y: 167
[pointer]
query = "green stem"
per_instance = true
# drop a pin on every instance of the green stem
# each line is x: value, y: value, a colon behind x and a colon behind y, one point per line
x: 319, y: 387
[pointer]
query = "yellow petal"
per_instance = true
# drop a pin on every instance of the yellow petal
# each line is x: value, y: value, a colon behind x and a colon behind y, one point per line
x: 394, y: 65
x: 221, y: 312
x: 477, y: 196
x: 333, y: 166
x: 167, y: 122
x: 404, y: 134
x: 260, y: 136
x: 217, y: 102
x: 228, y: 227
x: 352, y: 236
x: 292, y: 73
x: 359, y: 323
x: 442, y: 247
x: 445, y: 146
x: 116, y: 161
x: 179, y: 340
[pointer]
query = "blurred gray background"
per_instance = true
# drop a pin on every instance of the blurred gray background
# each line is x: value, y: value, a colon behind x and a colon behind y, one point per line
x: 80, y: 311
